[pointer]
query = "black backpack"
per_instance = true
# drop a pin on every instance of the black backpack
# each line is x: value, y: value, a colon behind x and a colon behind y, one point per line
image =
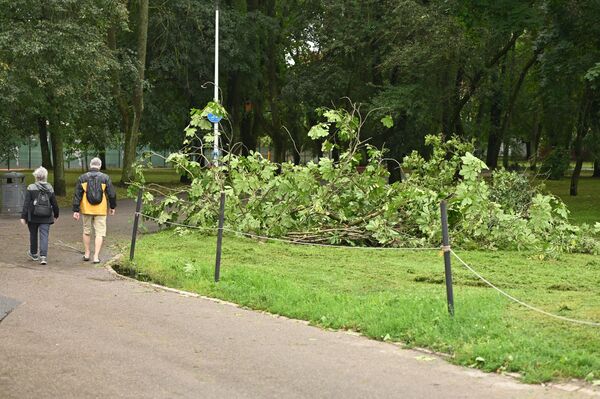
x: 94, y: 192
x: 41, y: 205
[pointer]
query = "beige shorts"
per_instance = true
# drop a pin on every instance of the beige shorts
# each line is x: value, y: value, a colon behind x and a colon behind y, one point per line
x: 99, y: 223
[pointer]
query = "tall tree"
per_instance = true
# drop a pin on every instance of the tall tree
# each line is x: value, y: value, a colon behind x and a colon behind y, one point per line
x: 570, y: 77
x: 55, y: 54
x: 132, y: 120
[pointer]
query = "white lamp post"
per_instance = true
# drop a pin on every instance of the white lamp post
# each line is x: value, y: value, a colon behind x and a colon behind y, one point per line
x: 216, y: 94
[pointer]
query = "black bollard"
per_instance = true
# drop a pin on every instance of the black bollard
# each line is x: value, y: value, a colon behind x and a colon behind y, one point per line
x: 136, y: 219
x: 220, y: 237
x: 446, y: 250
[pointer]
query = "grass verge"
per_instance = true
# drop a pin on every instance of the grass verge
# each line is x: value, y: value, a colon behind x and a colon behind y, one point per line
x: 585, y: 207
x: 400, y: 296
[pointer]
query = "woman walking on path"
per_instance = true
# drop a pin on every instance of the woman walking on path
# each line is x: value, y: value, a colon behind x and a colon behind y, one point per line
x: 39, y: 212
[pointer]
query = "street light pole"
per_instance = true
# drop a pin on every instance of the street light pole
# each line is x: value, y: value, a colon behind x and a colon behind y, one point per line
x: 216, y: 94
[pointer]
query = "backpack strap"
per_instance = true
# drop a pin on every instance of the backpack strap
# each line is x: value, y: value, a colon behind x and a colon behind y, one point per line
x: 85, y: 178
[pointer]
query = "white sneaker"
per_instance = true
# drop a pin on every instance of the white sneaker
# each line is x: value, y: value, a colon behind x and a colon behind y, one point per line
x: 32, y: 257
x: 43, y: 260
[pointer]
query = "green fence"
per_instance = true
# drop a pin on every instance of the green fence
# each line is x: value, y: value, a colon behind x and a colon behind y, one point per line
x: 30, y: 157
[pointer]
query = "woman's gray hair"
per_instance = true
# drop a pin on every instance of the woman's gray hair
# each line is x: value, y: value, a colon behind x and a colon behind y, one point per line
x: 40, y: 174
x: 95, y: 163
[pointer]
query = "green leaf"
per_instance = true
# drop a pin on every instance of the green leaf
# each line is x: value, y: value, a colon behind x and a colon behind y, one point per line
x: 319, y: 131
x: 332, y: 115
x: 387, y: 121
x: 209, y: 138
x: 327, y: 146
x: 190, y: 131
x: 189, y: 268
x: 204, y: 124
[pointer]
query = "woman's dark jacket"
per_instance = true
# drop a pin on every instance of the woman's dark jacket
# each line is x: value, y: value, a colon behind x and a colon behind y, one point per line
x: 30, y: 196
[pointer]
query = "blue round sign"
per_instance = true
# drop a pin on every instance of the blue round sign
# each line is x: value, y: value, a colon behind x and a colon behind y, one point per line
x: 214, y: 118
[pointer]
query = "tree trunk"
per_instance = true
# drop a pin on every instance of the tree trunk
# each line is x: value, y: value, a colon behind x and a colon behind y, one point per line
x: 494, y: 139
x: 237, y: 112
x: 582, y: 130
x: 273, y: 75
x: 247, y: 136
x: 575, y: 178
x: 394, y: 171
x: 102, y: 156
x: 511, y: 104
x: 278, y: 149
x: 43, y: 132
x: 596, y: 168
x: 495, y: 135
x: 297, y: 159
x: 535, y: 144
x: 447, y: 120
x: 132, y: 133
x: 296, y: 132
x: 505, y: 154
x: 120, y: 100
x: 59, y: 164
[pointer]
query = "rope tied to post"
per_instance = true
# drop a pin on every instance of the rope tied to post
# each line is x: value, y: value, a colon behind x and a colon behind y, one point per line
x: 518, y: 301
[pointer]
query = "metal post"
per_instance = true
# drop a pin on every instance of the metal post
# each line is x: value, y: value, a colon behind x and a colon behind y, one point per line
x: 447, y: 264
x: 216, y: 93
x: 220, y: 237
x: 136, y: 219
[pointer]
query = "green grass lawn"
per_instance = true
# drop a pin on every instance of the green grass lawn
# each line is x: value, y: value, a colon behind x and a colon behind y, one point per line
x: 585, y: 207
x: 165, y: 176
x: 400, y: 296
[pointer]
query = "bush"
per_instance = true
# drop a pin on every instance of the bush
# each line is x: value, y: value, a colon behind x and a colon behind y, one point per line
x: 556, y: 164
x: 513, y: 191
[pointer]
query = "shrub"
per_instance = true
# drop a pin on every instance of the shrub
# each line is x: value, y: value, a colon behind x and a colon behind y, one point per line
x: 513, y: 191
x: 556, y: 164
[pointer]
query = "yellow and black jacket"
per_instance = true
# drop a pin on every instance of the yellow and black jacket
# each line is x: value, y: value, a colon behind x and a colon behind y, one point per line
x: 80, y: 202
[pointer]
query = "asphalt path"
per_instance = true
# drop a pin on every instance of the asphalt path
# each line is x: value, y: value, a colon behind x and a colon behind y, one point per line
x: 78, y: 331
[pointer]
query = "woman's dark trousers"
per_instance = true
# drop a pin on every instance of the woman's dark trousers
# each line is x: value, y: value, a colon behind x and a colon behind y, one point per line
x: 43, y: 229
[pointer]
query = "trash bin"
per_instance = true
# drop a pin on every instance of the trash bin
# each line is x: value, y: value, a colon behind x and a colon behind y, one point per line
x: 12, y: 193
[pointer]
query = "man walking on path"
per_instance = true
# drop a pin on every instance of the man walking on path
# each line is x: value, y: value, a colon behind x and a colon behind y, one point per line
x: 90, y: 200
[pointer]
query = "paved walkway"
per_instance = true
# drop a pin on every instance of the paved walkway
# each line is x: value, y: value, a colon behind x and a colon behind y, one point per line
x: 79, y: 332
